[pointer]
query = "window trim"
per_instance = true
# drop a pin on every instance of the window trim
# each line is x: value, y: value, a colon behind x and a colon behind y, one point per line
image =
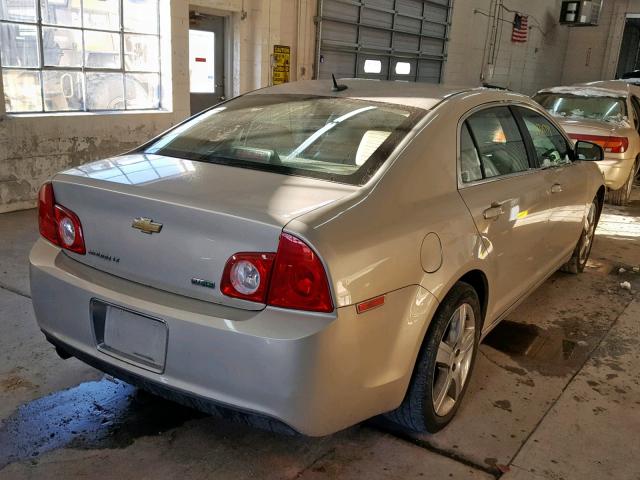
x: 530, y: 145
x: 39, y: 24
x: 509, y: 104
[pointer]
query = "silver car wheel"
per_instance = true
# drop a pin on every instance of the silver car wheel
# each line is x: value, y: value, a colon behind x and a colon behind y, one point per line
x: 588, y: 232
x: 453, y: 359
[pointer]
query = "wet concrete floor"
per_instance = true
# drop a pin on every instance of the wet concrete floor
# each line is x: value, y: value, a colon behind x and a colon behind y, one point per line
x: 64, y: 414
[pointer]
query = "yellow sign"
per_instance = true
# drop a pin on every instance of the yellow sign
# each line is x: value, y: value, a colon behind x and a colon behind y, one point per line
x: 281, y: 61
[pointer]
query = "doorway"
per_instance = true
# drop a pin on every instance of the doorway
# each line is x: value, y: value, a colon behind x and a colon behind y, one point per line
x: 206, y: 60
x: 629, y: 59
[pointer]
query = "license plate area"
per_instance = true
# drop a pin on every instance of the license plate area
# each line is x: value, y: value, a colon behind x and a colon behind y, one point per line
x: 130, y: 336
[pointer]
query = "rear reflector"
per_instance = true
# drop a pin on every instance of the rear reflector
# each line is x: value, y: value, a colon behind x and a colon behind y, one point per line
x: 370, y: 304
x: 608, y: 144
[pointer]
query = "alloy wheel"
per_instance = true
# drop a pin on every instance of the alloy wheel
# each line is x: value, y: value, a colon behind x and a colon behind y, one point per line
x: 453, y: 359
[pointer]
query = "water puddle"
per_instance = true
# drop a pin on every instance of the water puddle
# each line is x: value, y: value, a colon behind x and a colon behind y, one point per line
x: 548, y: 351
x: 101, y: 414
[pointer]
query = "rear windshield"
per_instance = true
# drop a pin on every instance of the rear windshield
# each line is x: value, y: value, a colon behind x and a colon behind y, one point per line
x: 609, y: 109
x: 337, y: 139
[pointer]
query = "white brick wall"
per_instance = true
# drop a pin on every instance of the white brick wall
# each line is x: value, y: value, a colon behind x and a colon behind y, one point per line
x: 524, y: 67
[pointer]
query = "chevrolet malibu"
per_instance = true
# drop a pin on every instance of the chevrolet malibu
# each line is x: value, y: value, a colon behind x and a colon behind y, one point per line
x: 313, y: 255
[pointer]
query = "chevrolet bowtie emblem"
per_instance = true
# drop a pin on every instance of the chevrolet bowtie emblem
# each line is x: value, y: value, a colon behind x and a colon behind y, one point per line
x: 146, y: 225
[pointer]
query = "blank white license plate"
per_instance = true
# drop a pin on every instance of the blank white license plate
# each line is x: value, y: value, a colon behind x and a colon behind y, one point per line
x: 135, y: 338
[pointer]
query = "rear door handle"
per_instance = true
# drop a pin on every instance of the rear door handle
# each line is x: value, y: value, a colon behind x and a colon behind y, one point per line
x: 494, y: 211
x: 556, y: 188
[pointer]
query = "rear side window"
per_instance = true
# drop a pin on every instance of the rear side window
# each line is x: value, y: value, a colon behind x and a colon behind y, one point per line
x: 550, y: 146
x: 499, y: 142
x: 469, y: 160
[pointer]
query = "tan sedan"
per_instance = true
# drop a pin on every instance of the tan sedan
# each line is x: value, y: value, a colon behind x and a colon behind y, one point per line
x: 606, y: 113
x: 312, y: 254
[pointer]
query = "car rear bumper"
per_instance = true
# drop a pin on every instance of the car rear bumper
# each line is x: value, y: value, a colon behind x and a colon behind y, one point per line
x: 616, y: 171
x: 317, y: 373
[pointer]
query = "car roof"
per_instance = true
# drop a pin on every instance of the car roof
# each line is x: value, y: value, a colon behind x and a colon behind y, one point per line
x: 413, y: 94
x: 592, y: 89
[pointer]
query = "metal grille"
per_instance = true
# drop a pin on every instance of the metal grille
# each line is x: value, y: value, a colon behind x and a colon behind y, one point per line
x: 383, y: 39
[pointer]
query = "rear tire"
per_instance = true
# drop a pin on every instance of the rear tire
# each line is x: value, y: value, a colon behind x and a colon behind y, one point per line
x: 444, y: 365
x: 621, y: 196
x: 580, y: 256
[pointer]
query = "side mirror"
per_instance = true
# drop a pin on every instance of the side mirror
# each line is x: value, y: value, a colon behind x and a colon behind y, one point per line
x: 588, y: 151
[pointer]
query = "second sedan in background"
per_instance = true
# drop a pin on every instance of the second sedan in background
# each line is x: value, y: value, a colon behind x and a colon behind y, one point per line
x: 606, y: 113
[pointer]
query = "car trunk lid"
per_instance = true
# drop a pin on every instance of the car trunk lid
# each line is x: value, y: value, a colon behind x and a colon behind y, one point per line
x: 201, y: 213
x: 586, y: 127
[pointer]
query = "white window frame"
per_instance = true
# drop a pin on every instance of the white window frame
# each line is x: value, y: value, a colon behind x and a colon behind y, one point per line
x: 121, y: 31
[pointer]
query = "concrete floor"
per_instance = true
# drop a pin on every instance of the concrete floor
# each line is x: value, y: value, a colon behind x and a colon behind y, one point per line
x: 555, y: 395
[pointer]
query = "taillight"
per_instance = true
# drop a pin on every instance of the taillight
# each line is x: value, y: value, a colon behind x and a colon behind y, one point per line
x: 246, y: 276
x: 299, y: 280
x: 46, y: 214
x: 608, y: 144
x: 69, y: 230
x: 58, y: 224
x: 293, y: 278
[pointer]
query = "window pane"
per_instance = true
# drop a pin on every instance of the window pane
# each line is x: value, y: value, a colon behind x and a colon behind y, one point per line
x: 403, y: 68
x: 201, y: 62
x: 22, y: 91
x: 372, y: 66
x: 142, y: 90
x: 469, y: 160
x: 140, y: 16
x: 62, y: 47
x: 61, y: 12
x: 18, y: 10
x: 102, y: 50
x: 579, y: 106
x: 501, y: 147
x: 18, y: 45
x: 102, y: 14
x: 550, y: 146
x: 105, y: 91
x: 332, y: 138
x: 141, y: 53
x: 62, y: 90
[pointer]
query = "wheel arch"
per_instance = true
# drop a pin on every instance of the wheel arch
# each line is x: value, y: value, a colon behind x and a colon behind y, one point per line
x: 478, y: 280
x: 600, y: 194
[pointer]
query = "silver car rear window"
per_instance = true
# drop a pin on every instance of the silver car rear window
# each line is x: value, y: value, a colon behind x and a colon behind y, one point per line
x: 605, y: 108
x: 338, y: 139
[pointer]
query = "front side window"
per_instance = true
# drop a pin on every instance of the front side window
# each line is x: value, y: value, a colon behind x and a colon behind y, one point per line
x: 499, y: 143
x: 339, y: 139
x: 550, y: 146
x: 603, y: 107
x: 79, y: 55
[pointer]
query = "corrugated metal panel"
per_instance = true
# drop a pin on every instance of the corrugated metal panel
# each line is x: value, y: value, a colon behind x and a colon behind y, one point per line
x: 383, y: 39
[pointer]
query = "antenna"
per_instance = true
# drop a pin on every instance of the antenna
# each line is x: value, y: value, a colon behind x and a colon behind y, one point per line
x: 336, y: 87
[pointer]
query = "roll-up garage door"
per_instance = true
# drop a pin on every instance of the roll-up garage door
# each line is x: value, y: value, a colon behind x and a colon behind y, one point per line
x: 383, y: 39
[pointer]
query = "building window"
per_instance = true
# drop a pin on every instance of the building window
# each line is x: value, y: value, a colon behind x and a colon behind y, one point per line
x: 80, y: 55
x: 403, y: 68
x: 372, y: 66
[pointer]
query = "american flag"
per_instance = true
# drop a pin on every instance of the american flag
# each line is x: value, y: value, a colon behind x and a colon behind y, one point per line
x: 520, y: 28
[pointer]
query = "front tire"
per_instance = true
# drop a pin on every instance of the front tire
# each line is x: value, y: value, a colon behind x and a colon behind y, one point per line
x: 621, y: 196
x: 444, y: 365
x: 580, y: 256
